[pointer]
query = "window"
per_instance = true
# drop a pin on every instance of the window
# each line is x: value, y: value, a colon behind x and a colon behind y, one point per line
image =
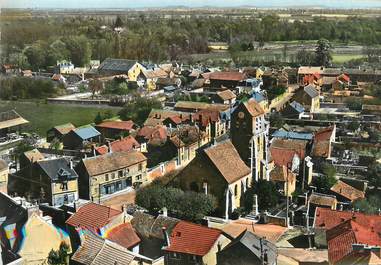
x: 235, y: 190
x: 193, y: 258
x: 174, y: 255
x: 138, y: 177
x: 112, y: 175
x: 120, y: 173
x: 64, y: 186
x: 140, y: 167
x: 106, y: 177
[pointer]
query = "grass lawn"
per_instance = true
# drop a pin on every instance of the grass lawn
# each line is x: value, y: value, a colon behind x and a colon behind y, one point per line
x: 342, y: 58
x: 44, y: 116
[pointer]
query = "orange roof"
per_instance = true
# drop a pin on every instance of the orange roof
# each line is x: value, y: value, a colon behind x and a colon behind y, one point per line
x: 324, y: 134
x: 226, y: 94
x: 254, y: 108
x: 124, y: 235
x: 157, y: 133
x: 192, y: 239
x: 119, y: 125
x: 281, y: 173
x: 283, y: 150
x: 125, y: 144
x: 92, y: 216
x: 347, y: 191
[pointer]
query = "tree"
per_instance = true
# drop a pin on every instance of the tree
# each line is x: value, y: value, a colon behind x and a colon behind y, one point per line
x: 138, y: 109
x: 189, y: 205
x: 354, y: 104
x: 304, y: 57
x: 369, y: 205
x: 95, y: 86
x: 79, y: 49
x: 60, y: 256
x: 354, y: 125
x: 118, y: 22
x: 323, y: 53
x: 98, y: 119
x: 267, y: 193
x: 276, y: 120
x: 374, y: 175
x: 36, y: 56
x: 324, y: 183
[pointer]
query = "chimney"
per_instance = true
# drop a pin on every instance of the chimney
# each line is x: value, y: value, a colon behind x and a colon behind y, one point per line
x: 109, y: 147
x: 71, y: 164
x: 166, y: 236
x: 94, y: 153
x: 165, y: 211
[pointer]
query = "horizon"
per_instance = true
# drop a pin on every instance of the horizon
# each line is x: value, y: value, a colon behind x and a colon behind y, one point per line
x: 121, y: 4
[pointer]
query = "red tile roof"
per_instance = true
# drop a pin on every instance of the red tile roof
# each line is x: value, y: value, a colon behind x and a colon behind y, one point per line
x: 192, y: 239
x: 324, y: 134
x: 341, y: 238
x: 283, y: 150
x: 119, y: 125
x: 128, y: 143
x: 157, y: 133
x: 344, y: 77
x: 254, y: 108
x: 327, y: 218
x: 92, y: 216
x: 123, y: 235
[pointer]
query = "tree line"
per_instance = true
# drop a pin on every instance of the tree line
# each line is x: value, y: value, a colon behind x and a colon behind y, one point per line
x: 40, y: 42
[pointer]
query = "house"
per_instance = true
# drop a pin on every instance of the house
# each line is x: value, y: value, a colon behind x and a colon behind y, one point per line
x: 309, y: 97
x: 40, y: 237
x: 59, y: 131
x: 96, y: 250
x: 115, y: 129
x: 152, y: 135
x: 131, y: 68
x: 284, y: 179
x: 27, y: 73
x: 52, y: 181
x: 274, y: 78
x: 151, y: 76
x: 4, y: 172
x: 225, y: 97
x: 346, y: 192
x: 293, y: 110
x: 321, y: 200
x: 92, y: 217
x: 371, y: 109
x: 193, y: 244
x: 220, y: 171
x: 64, y: 67
x: 11, y: 122
x: 248, y: 131
x: 158, y: 116
x: 103, y: 175
x: 314, y: 79
x: 308, y: 70
x: 323, y: 141
x: 125, y: 236
x: 190, y: 106
x: 210, y: 122
x: 29, y: 157
x: 126, y: 144
x: 81, y: 138
x: 292, y: 154
x: 248, y: 248
x: 226, y: 79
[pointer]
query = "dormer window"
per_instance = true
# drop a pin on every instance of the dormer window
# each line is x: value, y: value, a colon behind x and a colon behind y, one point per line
x: 63, y: 174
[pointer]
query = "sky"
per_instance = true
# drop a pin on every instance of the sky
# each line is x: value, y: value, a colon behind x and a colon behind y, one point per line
x: 189, y: 3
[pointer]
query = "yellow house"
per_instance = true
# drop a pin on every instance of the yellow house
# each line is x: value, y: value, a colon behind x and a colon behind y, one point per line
x: 135, y: 71
x: 259, y: 73
x: 40, y: 237
x: 106, y: 174
x: 4, y: 171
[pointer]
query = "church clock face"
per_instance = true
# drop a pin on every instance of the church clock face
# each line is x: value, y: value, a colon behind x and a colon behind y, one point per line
x: 241, y: 115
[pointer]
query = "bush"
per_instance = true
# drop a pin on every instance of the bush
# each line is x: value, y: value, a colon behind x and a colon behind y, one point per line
x: 189, y: 205
x: 139, y: 109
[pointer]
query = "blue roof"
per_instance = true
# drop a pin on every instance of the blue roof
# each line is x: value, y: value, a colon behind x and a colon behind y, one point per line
x: 297, y: 106
x: 258, y: 97
x: 87, y: 132
x: 169, y: 88
x: 292, y: 135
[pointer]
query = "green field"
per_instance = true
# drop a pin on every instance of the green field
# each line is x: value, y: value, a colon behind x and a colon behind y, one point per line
x: 43, y: 116
x: 342, y: 58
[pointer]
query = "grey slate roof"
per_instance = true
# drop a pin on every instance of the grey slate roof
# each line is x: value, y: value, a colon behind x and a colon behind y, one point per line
x: 97, y: 251
x: 297, y: 106
x: 292, y: 135
x: 87, y: 132
x: 57, y: 168
x: 116, y: 65
x: 311, y: 91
